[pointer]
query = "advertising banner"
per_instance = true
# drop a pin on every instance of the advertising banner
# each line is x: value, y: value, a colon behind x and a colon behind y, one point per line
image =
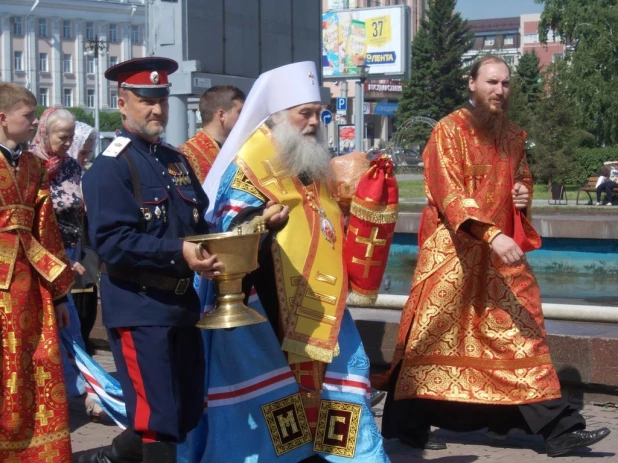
x: 377, y: 37
x: 347, y: 134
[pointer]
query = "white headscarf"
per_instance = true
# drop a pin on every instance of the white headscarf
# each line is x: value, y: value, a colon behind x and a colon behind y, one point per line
x: 82, y: 133
x: 281, y: 88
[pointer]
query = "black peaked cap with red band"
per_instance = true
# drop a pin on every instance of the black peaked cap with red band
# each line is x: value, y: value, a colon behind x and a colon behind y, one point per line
x: 145, y: 76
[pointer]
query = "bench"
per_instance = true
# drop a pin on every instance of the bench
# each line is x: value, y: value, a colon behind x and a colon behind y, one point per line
x: 591, y: 187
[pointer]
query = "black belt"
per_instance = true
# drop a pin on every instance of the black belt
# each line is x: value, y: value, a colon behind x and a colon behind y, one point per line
x: 144, y: 278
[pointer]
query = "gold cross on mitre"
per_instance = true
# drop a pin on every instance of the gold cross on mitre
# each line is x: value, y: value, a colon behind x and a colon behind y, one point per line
x: 311, y: 76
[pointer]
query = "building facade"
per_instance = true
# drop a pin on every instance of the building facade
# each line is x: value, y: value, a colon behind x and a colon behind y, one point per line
x: 510, y: 38
x: 47, y: 47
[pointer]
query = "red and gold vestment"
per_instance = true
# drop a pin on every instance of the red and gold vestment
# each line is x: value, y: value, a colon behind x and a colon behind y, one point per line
x: 472, y: 329
x: 34, y: 271
x: 201, y: 151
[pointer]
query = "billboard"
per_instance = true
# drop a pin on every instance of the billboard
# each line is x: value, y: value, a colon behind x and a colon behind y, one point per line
x: 377, y: 37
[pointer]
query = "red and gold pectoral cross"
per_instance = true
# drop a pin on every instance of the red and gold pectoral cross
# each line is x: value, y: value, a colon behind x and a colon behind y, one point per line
x: 274, y: 176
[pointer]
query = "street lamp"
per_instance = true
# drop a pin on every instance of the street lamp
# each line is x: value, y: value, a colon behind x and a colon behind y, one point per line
x: 94, y: 48
x: 359, y: 124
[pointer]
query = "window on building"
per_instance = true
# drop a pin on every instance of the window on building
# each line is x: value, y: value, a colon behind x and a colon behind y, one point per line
x: 90, y: 98
x: 67, y: 63
x: 43, y: 64
x: 42, y: 27
x: 113, y: 33
x: 489, y: 41
x: 509, y: 40
x: 68, y: 97
x: 89, y: 31
x: 18, y: 26
x: 113, y: 61
x: 531, y: 38
x: 135, y: 34
x: 66, y: 29
x: 113, y: 100
x: 510, y: 60
x: 18, y: 60
x: 90, y: 64
x: 557, y: 57
x: 44, y: 96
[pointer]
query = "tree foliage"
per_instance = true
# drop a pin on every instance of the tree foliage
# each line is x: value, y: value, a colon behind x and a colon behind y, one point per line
x: 108, y: 121
x: 436, y: 87
x: 590, y: 82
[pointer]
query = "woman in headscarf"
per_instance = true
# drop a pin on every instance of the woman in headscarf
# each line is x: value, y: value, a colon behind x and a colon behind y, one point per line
x: 51, y: 143
x: 85, y: 293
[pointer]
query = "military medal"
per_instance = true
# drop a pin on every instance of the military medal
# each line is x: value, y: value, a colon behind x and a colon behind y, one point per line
x: 185, y: 176
x: 171, y: 168
x: 147, y: 214
x: 164, y: 213
x: 157, y: 212
x: 196, y: 215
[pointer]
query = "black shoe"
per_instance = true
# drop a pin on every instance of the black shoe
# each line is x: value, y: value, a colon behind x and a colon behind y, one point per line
x: 376, y: 397
x: 159, y: 452
x: 125, y: 448
x: 572, y: 440
x: 428, y: 442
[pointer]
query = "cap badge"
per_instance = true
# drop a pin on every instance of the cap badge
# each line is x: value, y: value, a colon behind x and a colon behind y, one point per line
x: 154, y: 77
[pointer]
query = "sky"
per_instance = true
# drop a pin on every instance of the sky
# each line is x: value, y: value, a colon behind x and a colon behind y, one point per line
x: 483, y: 9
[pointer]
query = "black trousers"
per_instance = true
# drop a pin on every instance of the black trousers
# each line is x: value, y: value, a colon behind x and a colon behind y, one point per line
x: 550, y: 418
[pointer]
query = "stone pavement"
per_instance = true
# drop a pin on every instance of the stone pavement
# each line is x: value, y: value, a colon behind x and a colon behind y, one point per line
x: 462, y: 447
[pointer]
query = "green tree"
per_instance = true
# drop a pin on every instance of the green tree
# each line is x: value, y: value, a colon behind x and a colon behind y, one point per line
x: 590, y: 81
x: 436, y: 86
x: 80, y: 114
x: 110, y: 121
x: 529, y: 76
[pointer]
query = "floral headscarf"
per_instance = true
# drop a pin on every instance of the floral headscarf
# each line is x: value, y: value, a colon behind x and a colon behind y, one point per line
x: 82, y: 133
x: 40, y: 145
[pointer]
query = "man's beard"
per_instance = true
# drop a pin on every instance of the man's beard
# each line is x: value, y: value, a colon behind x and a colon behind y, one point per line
x: 300, y: 154
x: 493, y: 121
x: 146, y: 129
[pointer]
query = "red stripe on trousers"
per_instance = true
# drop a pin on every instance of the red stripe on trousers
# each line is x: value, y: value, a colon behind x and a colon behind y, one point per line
x: 142, y: 412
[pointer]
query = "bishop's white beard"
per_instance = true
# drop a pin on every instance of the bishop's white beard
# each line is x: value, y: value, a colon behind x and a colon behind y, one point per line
x: 301, y: 154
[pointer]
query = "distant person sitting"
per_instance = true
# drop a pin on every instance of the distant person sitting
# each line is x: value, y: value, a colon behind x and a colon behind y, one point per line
x: 608, y: 185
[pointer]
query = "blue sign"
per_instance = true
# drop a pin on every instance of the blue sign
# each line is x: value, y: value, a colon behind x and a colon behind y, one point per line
x: 385, y: 109
x: 342, y: 104
x: 326, y: 117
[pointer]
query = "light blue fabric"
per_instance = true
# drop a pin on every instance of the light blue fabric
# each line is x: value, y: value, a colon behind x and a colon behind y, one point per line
x: 104, y: 389
x: 246, y: 369
x: 75, y: 384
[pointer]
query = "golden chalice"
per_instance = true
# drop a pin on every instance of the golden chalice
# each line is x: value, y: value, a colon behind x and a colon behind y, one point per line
x: 237, y: 250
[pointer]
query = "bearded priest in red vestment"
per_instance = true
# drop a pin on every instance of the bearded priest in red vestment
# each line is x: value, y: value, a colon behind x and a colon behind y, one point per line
x: 471, y: 350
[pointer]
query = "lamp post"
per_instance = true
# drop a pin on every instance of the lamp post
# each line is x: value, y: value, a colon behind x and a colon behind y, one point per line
x: 359, y: 124
x: 94, y: 48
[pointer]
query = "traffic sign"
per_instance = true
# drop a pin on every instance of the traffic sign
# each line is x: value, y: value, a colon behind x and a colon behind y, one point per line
x: 326, y: 117
x: 342, y: 105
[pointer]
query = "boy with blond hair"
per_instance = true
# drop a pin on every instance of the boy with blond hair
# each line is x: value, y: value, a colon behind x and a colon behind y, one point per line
x: 34, y: 280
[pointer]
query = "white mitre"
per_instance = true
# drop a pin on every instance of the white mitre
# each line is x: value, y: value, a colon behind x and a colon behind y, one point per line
x: 273, y: 91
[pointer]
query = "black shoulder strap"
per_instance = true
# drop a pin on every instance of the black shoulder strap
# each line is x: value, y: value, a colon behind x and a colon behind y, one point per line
x: 137, y: 189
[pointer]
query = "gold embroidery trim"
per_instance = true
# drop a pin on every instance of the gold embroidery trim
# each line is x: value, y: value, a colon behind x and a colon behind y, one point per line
x: 35, y: 441
x: 331, y: 280
x: 287, y: 423
x: 337, y: 429
x: 313, y: 352
x: 386, y: 214
x: 480, y: 363
x: 241, y: 182
x: 315, y: 315
x: 311, y: 294
x: 469, y: 202
x: 452, y: 196
x: 477, y: 170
